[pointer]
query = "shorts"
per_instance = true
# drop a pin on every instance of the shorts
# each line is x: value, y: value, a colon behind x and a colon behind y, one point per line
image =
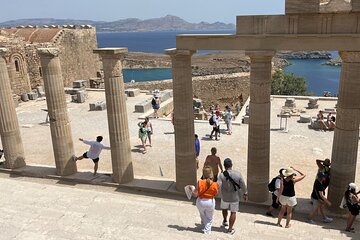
x: 275, y: 204
x: 232, y: 206
x: 316, y: 201
x: 156, y: 106
x: 94, y: 160
x: 290, y: 201
x: 354, y: 209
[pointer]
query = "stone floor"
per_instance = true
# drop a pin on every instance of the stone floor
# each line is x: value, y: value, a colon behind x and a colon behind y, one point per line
x: 33, y: 208
x: 300, y: 147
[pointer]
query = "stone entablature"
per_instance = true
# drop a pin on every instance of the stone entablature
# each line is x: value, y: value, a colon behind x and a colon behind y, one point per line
x: 321, y: 6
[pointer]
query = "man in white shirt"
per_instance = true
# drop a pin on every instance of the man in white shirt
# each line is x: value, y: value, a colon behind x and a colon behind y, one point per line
x: 94, y: 152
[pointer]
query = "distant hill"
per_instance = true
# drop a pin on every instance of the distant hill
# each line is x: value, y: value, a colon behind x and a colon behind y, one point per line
x: 167, y: 23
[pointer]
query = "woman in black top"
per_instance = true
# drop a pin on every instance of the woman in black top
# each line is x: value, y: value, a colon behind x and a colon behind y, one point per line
x: 352, y: 203
x: 286, y: 194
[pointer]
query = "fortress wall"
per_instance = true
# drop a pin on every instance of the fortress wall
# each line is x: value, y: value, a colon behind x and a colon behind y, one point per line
x: 77, y: 58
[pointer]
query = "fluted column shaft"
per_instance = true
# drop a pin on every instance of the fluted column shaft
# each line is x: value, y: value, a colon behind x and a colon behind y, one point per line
x: 117, y: 114
x: 60, y: 127
x: 346, y: 135
x: 9, y: 125
x: 185, y: 162
x: 259, y: 125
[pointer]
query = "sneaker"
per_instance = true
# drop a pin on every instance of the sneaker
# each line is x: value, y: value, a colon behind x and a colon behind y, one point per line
x: 224, y: 224
x: 327, y: 220
x: 311, y: 221
x: 232, y: 232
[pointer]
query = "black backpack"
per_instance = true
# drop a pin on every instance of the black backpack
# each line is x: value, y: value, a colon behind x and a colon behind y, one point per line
x: 271, y: 185
x: 153, y: 101
x: 211, y: 120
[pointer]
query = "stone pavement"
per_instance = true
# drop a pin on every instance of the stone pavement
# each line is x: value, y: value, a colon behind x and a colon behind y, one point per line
x: 38, y: 209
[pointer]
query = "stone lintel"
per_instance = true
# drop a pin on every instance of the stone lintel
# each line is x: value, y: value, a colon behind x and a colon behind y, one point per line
x: 350, y: 57
x: 355, y: 5
x: 326, y: 23
x: 110, y: 52
x: 178, y: 52
x: 3, y: 51
x: 48, y: 52
x: 302, y: 6
x: 298, y: 42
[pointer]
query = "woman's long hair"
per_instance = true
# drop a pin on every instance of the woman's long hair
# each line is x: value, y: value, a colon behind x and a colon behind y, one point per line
x: 208, y: 175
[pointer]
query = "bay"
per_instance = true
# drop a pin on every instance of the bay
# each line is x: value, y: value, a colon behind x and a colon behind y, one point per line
x: 319, y: 77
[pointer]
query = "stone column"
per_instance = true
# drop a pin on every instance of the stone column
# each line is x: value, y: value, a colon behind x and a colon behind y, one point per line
x: 259, y: 125
x: 346, y: 135
x: 61, y: 136
x: 117, y: 114
x: 9, y: 125
x: 185, y: 162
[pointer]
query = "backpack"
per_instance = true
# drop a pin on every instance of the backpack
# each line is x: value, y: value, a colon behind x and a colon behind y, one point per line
x: 211, y: 120
x: 153, y: 101
x: 271, y: 185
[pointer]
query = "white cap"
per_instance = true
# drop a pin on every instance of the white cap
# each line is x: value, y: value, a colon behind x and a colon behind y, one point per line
x: 352, y: 186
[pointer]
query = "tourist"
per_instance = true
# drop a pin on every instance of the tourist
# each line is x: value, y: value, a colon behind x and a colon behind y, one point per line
x: 275, y: 204
x: 319, y: 200
x: 231, y: 182
x: 155, y: 102
x: 205, y: 192
x: 352, y: 203
x: 228, y: 116
x: 214, y: 162
x: 330, y: 121
x: 321, y: 121
x: 216, y: 125
x: 286, y: 194
x: 149, y: 128
x: 143, y: 135
x: 237, y: 109
x: 197, y: 150
x: 324, y: 166
x: 94, y: 152
x: 1, y: 154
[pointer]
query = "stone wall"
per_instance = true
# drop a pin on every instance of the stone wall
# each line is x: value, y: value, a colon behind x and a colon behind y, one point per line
x: 223, y: 89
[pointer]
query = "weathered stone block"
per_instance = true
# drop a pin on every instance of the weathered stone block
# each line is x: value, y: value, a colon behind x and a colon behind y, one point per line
x: 355, y: 5
x: 302, y: 6
x: 24, y: 97
x: 304, y: 118
x: 197, y: 102
x: 97, y: 106
x: 132, y: 92
x: 246, y: 120
x: 81, y: 95
x: 80, y: 84
x: 32, y: 95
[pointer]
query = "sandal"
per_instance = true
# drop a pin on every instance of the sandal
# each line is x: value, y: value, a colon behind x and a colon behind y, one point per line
x: 279, y: 225
x: 288, y: 226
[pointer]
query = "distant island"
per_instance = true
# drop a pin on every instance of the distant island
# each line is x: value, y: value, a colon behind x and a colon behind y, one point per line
x: 167, y: 23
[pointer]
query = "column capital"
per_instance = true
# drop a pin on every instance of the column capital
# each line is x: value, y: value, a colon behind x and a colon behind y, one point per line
x: 173, y: 52
x: 350, y: 57
x: 110, y: 52
x: 259, y: 54
x: 3, y: 51
x: 48, y: 52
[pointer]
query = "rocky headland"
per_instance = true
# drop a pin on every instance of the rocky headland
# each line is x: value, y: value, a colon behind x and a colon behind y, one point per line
x: 304, y: 55
x: 333, y: 62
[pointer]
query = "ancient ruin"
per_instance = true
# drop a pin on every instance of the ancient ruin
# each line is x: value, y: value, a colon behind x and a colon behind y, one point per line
x: 305, y: 26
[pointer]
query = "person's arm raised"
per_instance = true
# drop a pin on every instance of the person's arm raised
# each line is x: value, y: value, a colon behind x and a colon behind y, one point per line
x: 298, y: 178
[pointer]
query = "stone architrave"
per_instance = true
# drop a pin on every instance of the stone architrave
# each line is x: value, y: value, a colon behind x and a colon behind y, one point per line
x: 259, y: 125
x: 346, y: 135
x: 117, y: 114
x: 9, y: 125
x: 61, y: 135
x: 185, y: 163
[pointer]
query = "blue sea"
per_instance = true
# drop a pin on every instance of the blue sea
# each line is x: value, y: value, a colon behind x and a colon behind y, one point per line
x: 319, y: 77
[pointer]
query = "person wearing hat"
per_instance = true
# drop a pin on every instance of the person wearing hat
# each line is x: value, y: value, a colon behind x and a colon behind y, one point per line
x: 231, y: 182
x: 205, y: 192
x: 352, y: 203
x: 319, y: 200
x: 275, y: 204
x: 155, y: 102
x: 286, y: 194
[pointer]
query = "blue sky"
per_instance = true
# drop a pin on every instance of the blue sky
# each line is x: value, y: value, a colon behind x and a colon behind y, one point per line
x: 110, y: 10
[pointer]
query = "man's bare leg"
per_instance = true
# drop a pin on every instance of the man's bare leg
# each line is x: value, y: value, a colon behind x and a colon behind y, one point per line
x: 96, y: 168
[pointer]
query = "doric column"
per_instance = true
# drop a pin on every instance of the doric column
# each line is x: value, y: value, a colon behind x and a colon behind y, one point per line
x: 117, y: 114
x: 61, y: 136
x: 185, y: 162
x: 259, y: 125
x: 346, y: 135
x: 9, y: 125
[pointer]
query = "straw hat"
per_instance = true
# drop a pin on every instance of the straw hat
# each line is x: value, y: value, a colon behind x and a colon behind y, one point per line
x: 288, y: 172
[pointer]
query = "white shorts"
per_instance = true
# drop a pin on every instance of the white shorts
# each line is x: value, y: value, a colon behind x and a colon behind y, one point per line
x: 232, y: 206
x: 290, y: 201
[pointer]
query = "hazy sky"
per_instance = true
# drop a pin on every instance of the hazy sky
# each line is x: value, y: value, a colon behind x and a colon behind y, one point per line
x: 110, y: 10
